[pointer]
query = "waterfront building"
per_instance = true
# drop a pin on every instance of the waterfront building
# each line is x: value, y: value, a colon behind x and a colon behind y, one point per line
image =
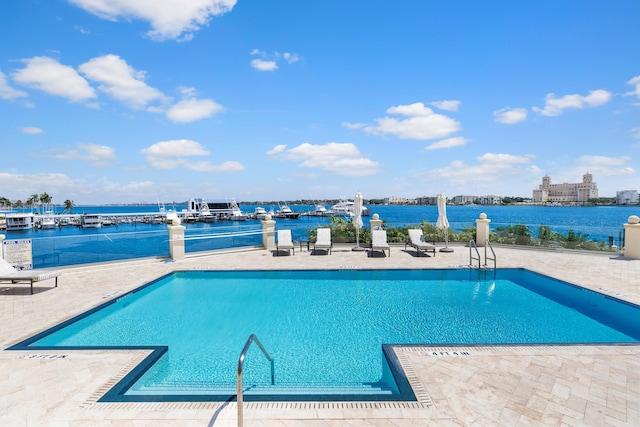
x: 566, y: 192
x: 490, y: 200
x: 464, y: 200
x: 427, y: 200
x: 395, y: 200
x: 627, y: 197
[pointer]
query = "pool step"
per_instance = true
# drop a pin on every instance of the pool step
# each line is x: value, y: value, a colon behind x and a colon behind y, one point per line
x: 259, y: 389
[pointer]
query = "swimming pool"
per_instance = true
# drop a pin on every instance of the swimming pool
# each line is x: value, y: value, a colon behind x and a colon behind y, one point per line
x: 328, y: 331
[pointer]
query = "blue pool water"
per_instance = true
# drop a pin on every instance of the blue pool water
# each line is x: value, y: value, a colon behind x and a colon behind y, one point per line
x: 325, y: 329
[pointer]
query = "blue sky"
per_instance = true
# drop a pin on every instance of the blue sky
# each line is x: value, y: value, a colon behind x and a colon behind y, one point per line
x: 107, y: 101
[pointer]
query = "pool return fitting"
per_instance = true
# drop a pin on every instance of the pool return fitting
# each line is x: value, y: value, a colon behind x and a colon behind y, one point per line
x: 251, y: 339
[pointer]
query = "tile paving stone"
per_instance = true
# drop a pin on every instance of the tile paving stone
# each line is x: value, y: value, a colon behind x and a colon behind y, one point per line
x: 546, y: 385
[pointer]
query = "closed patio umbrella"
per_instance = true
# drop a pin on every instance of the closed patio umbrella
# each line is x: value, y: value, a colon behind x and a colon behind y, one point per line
x: 357, y: 219
x: 443, y: 222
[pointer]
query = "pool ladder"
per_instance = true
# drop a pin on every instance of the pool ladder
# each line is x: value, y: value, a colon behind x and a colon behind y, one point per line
x: 251, y: 339
x: 472, y: 247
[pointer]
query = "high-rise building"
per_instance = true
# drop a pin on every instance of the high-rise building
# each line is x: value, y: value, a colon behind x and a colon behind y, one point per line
x: 566, y: 192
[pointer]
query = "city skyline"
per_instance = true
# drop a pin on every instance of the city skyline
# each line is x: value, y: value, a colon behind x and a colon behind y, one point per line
x: 105, y: 101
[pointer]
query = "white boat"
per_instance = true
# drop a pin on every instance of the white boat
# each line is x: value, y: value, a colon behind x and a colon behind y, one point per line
x: 19, y: 221
x: 260, y: 213
x: 319, y: 210
x: 346, y: 208
x: 236, y: 214
x: 91, y: 221
x: 286, y: 213
x: 48, y: 221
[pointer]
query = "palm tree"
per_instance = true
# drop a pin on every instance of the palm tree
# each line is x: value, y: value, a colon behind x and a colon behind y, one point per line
x: 4, y: 202
x: 33, y: 200
x: 68, y: 205
x: 45, y: 198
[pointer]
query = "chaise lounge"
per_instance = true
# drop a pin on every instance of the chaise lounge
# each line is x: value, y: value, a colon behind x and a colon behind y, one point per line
x: 379, y: 242
x: 416, y: 240
x: 285, y: 242
x: 9, y: 274
x: 323, y: 240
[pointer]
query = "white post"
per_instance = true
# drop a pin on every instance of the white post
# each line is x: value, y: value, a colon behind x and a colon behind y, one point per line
x: 268, y: 233
x: 176, y: 240
x: 375, y: 222
x: 482, y: 230
x: 632, y: 238
x: 1, y: 246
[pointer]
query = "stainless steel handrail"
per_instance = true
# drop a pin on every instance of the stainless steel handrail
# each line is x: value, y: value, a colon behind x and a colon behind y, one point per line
x: 251, y: 339
x: 485, y: 254
x: 472, y: 245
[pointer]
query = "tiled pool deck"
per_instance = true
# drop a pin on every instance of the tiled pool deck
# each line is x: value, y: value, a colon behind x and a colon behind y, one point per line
x: 539, y: 385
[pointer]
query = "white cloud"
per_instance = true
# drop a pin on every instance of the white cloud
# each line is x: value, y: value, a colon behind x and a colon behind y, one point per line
x: 50, y: 76
x: 169, y: 19
x: 6, y: 91
x: 21, y: 185
x: 509, y: 116
x: 420, y: 123
x: 98, y: 155
x: 176, y: 154
x: 491, y: 168
x: 448, y: 143
x: 262, y: 65
x: 354, y: 126
x: 290, y: 57
x: 191, y: 109
x: 447, y: 105
x: 338, y: 158
x: 120, y: 81
x: 270, y: 61
x: 635, y: 82
x: 603, y: 166
x: 32, y: 130
x: 556, y: 106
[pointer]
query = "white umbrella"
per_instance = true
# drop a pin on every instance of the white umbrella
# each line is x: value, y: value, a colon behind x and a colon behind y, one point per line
x: 443, y: 222
x: 357, y: 219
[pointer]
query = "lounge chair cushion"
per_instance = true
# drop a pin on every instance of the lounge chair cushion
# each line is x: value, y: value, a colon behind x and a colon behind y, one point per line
x: 9, y: 274
x: 379, y: 241
x: 416, y: 240
x: 285, y: 242
x: 323, y: 239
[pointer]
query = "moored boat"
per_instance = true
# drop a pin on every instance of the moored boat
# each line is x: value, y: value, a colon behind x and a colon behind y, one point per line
x: 285, y: 212
x: 19, y: 221
x: 91, y: 221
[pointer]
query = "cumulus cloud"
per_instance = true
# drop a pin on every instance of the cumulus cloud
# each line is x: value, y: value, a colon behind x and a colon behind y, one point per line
x: 510, y: 116
x: 635, y: 82
x: 490, y: 167
x: 32, y: 130
x: 262, y: 65
x: 50, y: 76
x: 97, y: 155
x: 6, y: 91
x: 448, y: 143
x: 169, y: 19
x: 446, y: 105
x: 177, y: 154
x: 338, y: 158
x: 191, y: 109
x: 120, y: 81
x: 18, y: 185
x: 270, y: 60
x: 556, y: 106
x: 604, y: 166
x: 418, y: 122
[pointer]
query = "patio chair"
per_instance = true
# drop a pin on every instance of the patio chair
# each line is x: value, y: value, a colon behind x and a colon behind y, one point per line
x: 11, y: 275
x: 379, y: 242
x: 323, y: 240
x: 284, y: 242
x: 416, y: 240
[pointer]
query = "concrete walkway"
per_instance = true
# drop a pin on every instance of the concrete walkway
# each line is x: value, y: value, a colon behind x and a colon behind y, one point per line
x: 471, y: 386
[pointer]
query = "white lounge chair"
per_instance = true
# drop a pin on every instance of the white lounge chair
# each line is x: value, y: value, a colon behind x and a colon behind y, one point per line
x: 284, y: 242
x: 379, y: 241
x: 323, y: 240
x: 416, y: 240
x: 9, y: 274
